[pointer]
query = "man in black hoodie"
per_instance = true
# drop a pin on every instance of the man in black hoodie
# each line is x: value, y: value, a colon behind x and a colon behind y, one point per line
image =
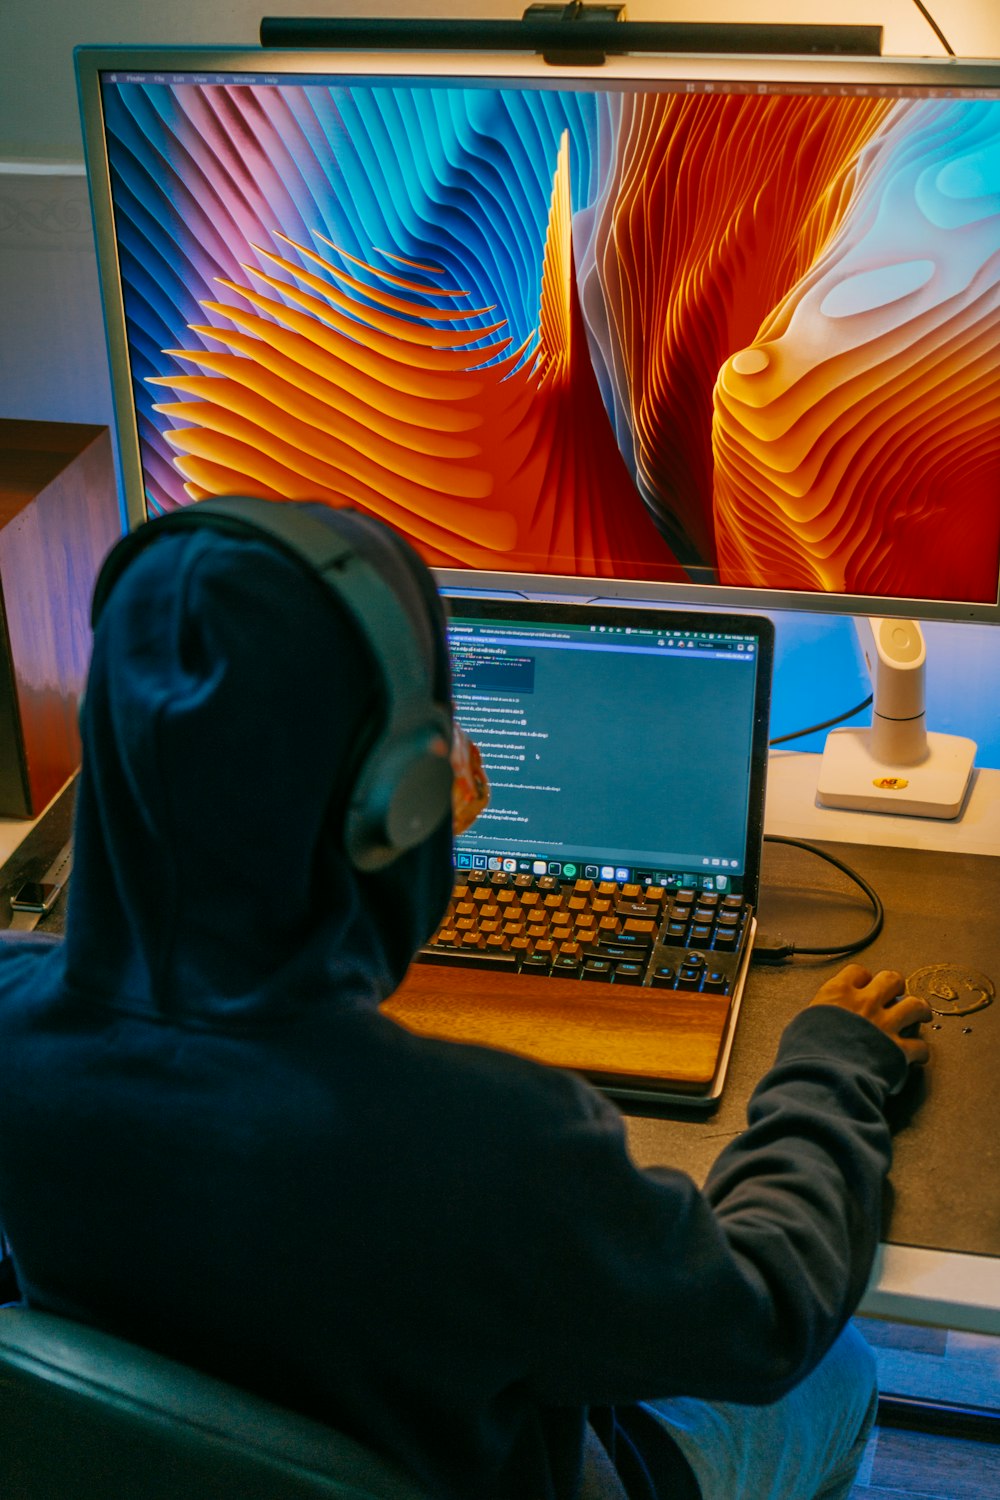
x: 213, y: 1142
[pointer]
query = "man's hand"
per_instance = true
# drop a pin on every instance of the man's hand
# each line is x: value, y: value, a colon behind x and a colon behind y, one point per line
x: 880, y: 999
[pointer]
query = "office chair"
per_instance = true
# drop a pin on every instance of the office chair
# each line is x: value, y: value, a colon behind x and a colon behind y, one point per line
x: 86, y: 1416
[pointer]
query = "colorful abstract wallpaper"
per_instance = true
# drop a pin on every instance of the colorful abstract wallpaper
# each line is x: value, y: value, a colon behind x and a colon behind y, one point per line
x: 716, y: 336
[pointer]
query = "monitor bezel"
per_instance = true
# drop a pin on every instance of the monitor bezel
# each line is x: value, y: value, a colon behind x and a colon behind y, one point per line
x: 959, y: 74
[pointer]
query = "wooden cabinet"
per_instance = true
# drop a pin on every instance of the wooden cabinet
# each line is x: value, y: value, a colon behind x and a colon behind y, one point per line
x: 59, y: 516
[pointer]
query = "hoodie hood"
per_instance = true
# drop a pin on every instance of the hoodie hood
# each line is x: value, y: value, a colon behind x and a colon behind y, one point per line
x: 230, y: 700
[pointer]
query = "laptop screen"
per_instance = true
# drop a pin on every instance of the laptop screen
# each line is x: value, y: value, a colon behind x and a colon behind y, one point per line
x: 622, y: 744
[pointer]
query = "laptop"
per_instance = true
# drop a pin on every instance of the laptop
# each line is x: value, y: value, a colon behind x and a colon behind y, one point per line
x: 604, y: 903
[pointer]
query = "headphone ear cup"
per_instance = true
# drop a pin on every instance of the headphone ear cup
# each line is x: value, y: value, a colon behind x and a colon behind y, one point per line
x: 401, y: 795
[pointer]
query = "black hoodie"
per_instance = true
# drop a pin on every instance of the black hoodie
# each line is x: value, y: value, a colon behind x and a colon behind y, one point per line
x: 213, y: 1142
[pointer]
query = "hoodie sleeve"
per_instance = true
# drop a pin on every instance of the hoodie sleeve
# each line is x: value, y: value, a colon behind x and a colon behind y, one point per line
x: 653, y: 1288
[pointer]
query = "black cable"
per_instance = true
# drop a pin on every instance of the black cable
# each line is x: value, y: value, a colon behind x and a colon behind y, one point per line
x: 771, y: 951
x: 935, y: 28
x: 798, y: 734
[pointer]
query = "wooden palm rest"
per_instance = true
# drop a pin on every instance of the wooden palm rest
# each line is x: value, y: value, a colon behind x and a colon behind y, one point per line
x: 625, y: 1034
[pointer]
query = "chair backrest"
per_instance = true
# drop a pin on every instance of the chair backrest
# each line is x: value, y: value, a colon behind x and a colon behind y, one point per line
x: 86, y: 1416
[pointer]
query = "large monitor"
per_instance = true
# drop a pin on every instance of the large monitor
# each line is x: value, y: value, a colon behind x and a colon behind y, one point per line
x: 705, y: 328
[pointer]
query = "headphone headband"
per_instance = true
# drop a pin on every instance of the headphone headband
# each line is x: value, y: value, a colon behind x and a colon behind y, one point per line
x: 301, y: 535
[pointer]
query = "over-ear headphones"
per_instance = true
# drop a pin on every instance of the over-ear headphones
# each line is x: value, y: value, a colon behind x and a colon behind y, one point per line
x: 402, y: 789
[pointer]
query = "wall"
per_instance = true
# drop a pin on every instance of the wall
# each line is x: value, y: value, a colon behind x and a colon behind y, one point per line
x: 37, y: 94
x: 51, y: 352
x: 52, y: 362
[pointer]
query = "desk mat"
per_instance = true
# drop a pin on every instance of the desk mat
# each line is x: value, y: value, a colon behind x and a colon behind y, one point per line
x: 945, y: 1187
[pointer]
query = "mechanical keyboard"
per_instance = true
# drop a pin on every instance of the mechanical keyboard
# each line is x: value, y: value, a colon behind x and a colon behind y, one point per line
x: 595, y: 930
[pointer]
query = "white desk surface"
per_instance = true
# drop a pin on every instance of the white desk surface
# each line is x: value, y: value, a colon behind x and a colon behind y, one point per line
x: 13, y: 831
x: 908, y: 1284
x: 791, y: 809
x: 935, y: 1287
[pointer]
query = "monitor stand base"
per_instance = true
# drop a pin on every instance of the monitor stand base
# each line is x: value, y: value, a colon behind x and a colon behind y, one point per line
x: 850, y: 776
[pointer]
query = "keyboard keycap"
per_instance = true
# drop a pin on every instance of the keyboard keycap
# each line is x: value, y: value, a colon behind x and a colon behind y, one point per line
x: 628, y: 939
x: 597, y: 968
x: 634, y: 909
x: 471, y: 958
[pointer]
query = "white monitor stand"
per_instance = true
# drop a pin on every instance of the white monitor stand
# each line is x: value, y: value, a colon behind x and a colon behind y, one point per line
x: 896, y: 765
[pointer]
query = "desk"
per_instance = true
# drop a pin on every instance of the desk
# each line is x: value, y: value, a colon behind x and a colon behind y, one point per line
x: 941, y: 1264
x: 941, y: 885
x: 913, y: 1279
x: 943, y: 1261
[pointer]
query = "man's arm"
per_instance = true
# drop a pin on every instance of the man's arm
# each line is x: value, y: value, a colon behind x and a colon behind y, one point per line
x: 737, y: 1291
